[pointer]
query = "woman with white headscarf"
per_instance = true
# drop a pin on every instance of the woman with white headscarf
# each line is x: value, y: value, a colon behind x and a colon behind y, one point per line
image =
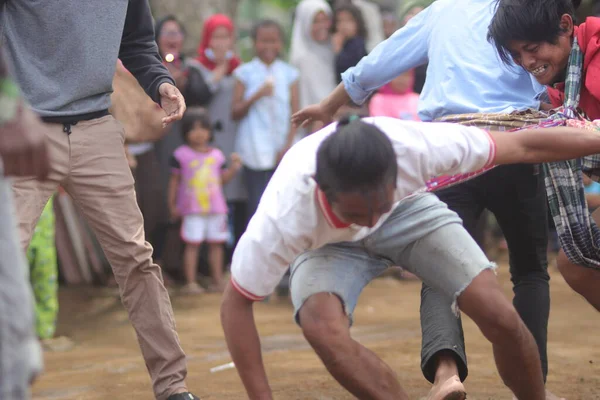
x: 311, y: 52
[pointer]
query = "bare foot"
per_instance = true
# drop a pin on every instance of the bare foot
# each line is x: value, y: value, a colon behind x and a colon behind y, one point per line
x: 447, y: 384
x: 191, y: 289
x: 57, y: 344
x: 216, y: 288
x: 451, y: 389
x: 549, y: 396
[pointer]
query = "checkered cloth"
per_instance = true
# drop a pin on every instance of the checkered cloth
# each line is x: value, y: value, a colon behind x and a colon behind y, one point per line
x: 578, y: 233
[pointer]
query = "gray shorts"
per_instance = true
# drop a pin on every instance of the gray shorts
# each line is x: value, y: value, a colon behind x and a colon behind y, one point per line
x: 421, y: 235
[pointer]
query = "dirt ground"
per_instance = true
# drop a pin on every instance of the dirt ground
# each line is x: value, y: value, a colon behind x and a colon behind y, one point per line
x: 106, y: 362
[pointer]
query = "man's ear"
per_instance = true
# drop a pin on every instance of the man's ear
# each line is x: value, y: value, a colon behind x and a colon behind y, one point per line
x: 566, y: 25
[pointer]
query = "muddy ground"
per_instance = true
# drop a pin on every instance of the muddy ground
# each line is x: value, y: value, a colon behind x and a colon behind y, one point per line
x: 106, y: 362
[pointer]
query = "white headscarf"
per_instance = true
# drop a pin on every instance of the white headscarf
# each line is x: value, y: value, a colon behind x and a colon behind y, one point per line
x: 314, y: 60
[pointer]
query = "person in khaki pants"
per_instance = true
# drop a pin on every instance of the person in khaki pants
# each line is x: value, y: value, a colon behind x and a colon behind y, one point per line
x: 65, y: 68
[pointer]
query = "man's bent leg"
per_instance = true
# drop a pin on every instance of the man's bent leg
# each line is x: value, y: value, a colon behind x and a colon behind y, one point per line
x: 443, y: 357
x: 515, y: 350
x: 102, y: 185
x: 448, y: 244
x: 325, y: 285
x: 583, y: 280
x: 20, y: 353
x: 441, y: 329
x: 517, y: 198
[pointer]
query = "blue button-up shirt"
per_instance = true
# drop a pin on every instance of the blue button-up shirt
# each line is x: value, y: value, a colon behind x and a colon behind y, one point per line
x: 465, y: 73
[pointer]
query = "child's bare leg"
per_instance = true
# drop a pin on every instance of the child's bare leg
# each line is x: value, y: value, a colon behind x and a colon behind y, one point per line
x: 190, y: 262
x: 215, y: 258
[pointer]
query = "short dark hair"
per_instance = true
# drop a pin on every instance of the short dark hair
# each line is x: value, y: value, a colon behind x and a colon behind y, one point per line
x: 357, y: 157
x: 528, y: 20
x: 361, y: 30
x: 192, y: 117
x: 266, y: 23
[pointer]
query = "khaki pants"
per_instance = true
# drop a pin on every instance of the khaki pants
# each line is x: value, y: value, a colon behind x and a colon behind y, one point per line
x: 90, y: 164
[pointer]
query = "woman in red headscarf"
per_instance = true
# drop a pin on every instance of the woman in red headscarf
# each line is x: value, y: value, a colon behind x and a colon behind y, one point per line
x: 216, y: 48
x: 217, y: 61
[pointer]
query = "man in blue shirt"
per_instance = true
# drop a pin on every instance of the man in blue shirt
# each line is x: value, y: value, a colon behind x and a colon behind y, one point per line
x: 465, y: 75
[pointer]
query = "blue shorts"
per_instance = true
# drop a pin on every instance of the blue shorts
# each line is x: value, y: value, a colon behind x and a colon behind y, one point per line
x: 422, y: 235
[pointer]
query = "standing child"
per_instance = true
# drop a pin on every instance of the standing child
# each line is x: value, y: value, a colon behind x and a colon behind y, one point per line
x: 397, y: 99
x: 196, y: 195
x: 311, y: 52
x: 349, y: 38
x: 264, y: 98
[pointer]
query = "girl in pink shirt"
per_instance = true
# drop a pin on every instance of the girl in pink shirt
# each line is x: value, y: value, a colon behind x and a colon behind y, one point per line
x: 196, y: 196
x: 397, y: 99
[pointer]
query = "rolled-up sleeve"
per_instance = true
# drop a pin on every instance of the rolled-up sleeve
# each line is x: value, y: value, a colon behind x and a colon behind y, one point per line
x: 405, y: 49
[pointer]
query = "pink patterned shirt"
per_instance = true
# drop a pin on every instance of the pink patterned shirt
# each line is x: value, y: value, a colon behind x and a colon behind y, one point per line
x: 200, y: 187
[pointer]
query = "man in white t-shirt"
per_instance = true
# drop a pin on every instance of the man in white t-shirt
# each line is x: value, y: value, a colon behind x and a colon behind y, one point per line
x: 348, y: 202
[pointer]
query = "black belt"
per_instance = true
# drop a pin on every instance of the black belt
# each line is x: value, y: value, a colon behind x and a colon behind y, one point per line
x: 70, y: 120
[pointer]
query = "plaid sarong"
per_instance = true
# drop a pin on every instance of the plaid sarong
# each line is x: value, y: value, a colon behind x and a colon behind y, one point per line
x: 578, y: 233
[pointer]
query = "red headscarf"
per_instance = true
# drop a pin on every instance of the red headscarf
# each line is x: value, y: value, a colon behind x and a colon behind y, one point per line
x: 210, y: 25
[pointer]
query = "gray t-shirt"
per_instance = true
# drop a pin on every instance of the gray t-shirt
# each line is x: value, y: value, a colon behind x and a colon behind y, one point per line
x: 63, y: 53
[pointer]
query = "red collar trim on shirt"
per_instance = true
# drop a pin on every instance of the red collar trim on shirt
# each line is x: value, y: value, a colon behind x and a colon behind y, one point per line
x: 328, y: 213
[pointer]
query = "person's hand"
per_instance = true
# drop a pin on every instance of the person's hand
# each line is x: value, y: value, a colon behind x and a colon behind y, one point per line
x: 23, y: 146
x: 266, y: 90
x: 337, y: 42
x: 172, y: 102
x: 220, y: 71
x: 236, y: 161
x: 311, y: 114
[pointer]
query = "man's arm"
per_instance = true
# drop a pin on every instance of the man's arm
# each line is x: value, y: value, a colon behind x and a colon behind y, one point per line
x: 259, y: 261
x: 405, y: 49
x: 139, y: 52
x: 237, y: 319
x: 544, y: 145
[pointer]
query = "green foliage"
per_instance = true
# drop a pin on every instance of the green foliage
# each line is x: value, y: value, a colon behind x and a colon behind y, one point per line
x: 284, y: 4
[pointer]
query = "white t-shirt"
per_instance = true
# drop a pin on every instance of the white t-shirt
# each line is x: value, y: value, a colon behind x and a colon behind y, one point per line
x: 293, y: 216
